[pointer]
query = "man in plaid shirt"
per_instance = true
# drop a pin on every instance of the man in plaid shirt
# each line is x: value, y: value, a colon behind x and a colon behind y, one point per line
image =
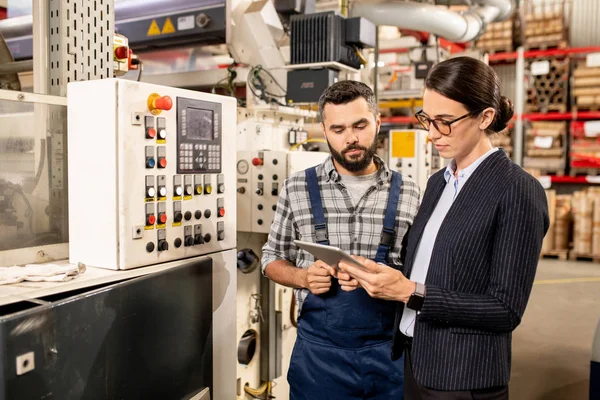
x: 355, y: 202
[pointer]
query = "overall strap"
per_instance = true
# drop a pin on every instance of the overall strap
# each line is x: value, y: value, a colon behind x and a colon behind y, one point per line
x: 316, y: 204
x: 389, y: 221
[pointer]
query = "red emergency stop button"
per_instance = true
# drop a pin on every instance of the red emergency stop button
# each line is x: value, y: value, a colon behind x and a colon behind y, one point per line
x: 150, y: 220
x: 162, y: 218
x: 162, y: 163
x: 257, y: 161
x: 163, y: 103
x: 158, y: 103
x: 221, y: 212
x: 121, y: 52
x: 150, y: 133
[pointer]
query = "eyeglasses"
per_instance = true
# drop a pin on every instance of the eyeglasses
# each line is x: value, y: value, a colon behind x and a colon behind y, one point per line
x: 442, y: 126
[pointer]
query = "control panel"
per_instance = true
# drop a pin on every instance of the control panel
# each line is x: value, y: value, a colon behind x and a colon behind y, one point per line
x: 148, y: 180
x: 260, y: 176
x: 411, y: 154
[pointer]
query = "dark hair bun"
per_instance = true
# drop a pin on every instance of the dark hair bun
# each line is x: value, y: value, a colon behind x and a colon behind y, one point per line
x: 503, y: 115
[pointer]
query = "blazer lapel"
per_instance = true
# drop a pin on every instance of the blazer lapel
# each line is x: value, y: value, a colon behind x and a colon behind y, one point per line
x: 432, y: 195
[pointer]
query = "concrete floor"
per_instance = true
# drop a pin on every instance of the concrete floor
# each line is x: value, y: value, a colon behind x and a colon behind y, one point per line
x: 551, y: 347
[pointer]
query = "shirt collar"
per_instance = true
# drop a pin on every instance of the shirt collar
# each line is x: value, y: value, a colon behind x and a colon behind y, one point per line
x: 383, y: 172
x: 467, y: 172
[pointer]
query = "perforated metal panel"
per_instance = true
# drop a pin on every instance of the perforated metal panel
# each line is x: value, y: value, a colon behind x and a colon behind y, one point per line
x: 81, y: 42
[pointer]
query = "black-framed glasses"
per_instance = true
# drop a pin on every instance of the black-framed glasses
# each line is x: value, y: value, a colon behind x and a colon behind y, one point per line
x: 442, y: 126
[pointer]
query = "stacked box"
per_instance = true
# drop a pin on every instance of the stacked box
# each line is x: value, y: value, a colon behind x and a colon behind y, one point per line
x: 586, y: 87
x: 546, y: 24
x: 498, y: 37
x: 545, y: 147
x: 584, y: 153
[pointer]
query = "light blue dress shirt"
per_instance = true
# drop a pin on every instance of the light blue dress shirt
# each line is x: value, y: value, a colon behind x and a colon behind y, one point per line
x: 425, y: 247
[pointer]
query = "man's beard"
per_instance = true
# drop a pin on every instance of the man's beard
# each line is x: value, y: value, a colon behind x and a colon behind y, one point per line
x: 355, y: 165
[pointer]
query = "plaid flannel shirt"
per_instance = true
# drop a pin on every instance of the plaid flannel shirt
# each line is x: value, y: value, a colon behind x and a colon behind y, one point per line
x: 354, y: 229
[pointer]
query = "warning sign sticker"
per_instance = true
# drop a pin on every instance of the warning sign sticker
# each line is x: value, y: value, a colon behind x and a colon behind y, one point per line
x: 154, y: 29
x: 168, y: 27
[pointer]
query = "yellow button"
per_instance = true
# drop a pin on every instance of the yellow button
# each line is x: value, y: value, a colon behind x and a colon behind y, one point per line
x: 208, y: 189
x: 198, y: 189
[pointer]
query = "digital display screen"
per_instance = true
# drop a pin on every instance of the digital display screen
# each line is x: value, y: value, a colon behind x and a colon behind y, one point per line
x: 200, y: 124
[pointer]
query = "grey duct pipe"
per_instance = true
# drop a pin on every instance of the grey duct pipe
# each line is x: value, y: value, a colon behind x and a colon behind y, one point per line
x: 454, y: 26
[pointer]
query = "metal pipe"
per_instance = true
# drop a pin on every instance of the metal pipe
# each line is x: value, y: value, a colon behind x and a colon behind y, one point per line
x: 456, y: 27
x: 16, y: 67
x: 41, y: 49
x: 519, y: 107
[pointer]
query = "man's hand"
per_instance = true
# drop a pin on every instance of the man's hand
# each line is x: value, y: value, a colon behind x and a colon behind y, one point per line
x: 318, y: 277
x: 380, y: 281
x: 347, y: 282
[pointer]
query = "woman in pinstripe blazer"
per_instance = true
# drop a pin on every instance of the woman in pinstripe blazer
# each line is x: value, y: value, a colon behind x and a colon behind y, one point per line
x: 472, y: 251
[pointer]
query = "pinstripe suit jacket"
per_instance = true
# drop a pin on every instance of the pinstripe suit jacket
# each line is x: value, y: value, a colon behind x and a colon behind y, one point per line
x: 480, y: 277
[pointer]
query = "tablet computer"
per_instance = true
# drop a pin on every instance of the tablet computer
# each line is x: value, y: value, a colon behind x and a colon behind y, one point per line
x: 328, y: 254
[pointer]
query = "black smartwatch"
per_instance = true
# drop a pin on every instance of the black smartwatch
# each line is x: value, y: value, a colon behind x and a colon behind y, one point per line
x: 415, y: 302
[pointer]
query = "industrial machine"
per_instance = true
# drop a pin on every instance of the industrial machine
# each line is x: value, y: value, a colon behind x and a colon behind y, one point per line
x: 163, y: 188
x: 273, y: 142
x: 149, y: 179
x: 595, y: 365
x: 412, y: 154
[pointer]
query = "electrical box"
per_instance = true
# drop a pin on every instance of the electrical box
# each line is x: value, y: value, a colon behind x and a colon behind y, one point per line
x: 149, y: 177
x: 411, y: 155
x: 260, y: 175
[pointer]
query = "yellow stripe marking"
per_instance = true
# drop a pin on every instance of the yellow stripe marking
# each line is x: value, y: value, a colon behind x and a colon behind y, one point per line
x: 568, y: 280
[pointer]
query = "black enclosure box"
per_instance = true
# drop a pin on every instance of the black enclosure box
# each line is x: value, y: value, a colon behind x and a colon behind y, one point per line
x: 149, y: 337
x: 319, y: 38
x: 307, y: 85
x: 361, y: 32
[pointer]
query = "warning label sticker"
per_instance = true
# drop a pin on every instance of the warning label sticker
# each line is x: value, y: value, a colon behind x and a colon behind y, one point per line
x: 154, y: 29
x: 168, y: 27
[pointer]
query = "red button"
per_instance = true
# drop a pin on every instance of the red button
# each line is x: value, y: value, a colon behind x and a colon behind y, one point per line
x: 221, y: 212
x: 163, y: 103
x: 162, y: 162
x: 162, y: 218
x: 151, y: 219
x: 257, y: 161
x: 150, y: 133
x: 121, y: 52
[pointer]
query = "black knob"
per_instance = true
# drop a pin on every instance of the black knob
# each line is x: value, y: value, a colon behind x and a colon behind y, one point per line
x: 188, y: 215
x: 189, y: 241
x: 163, y: 245
x: 399, y: 164
x: 150, y: 247
x: 259, y: 192
x: 198, y: 239
x: 260, y: 206
x: 198, y: 214
x: 177, y: 243
x: 221, y: 235
x: 274, y: 207
x: 275, y: 162
x: 207, y: 213
x: 207, y: 238
x: 274, y: 192
x: 275, y: 177
x: 260, y: 177
x: 178, y: 216
x: 260, y: 221
x: 241, y: 190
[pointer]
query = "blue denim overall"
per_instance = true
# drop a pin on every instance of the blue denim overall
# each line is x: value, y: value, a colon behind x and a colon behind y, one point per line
x: 344, y: 338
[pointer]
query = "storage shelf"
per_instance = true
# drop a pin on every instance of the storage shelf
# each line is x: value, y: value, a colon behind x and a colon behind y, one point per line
x: 397, y: 120
x: 593, y: 179
x: 544, y: 53
x: 567, y: 116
